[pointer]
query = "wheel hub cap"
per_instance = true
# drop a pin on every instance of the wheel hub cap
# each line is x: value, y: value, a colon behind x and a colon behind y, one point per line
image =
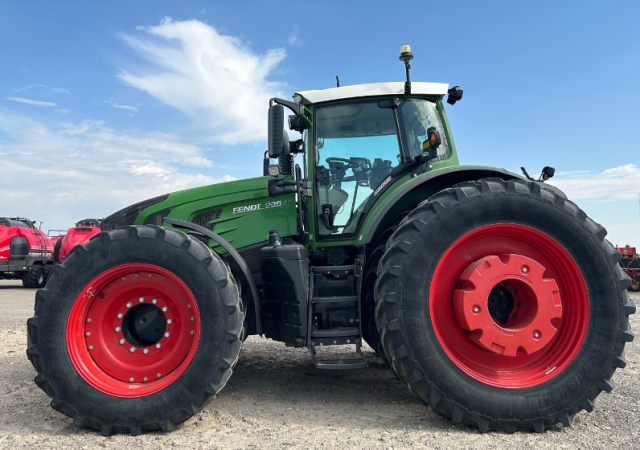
x: 507, y: 304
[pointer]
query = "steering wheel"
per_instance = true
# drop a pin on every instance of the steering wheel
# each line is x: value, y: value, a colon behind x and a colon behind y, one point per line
x: 338, y: 160
x: 338, y: 168
x: 360, y: 167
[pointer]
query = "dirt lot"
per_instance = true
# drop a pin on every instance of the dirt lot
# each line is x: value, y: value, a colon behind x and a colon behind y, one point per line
x: 277, y: 399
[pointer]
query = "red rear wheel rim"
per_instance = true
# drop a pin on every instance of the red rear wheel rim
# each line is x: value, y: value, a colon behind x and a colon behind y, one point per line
x: 133, y: 330
x: 570, y: 321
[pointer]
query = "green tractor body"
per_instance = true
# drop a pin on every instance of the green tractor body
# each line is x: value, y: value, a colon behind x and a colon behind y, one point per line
x: 492, y: 296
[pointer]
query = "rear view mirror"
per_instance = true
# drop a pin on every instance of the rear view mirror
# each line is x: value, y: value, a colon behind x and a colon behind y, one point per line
x: 278, y: 137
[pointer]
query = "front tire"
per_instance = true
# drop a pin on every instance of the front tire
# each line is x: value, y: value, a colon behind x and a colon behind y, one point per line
x: 137, y: 330
x: 530, y: 344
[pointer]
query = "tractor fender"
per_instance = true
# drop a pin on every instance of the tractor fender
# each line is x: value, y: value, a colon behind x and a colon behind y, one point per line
x: 422, y: 187
x: 234, y: 254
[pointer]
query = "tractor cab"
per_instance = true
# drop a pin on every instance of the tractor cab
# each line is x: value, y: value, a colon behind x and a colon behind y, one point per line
x: 358, y: 142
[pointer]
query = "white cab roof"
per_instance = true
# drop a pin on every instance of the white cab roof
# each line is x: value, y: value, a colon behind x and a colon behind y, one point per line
x: 372, y: 90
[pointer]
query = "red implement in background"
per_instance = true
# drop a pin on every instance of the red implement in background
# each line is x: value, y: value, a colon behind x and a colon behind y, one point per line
x: 630, y: 263
x: 25, y: 252
x: 78, y: 235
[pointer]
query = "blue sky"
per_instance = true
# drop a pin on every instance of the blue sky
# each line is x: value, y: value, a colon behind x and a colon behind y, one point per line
x: 106, y: 103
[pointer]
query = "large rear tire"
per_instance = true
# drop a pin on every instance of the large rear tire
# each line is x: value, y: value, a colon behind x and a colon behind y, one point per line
x: 370, y: 331
x: 137, y: 330
x: 530, y: 344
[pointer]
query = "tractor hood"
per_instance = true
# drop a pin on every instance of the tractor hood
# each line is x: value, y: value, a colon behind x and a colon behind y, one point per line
x: 240, y: 211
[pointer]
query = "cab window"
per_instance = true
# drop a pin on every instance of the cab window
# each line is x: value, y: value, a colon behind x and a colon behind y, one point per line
x: 356, y: 146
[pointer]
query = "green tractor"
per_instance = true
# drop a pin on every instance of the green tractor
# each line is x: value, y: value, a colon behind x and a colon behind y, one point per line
x: 494, y: 298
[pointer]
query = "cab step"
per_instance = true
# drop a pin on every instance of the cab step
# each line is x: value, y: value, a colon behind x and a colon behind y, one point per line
x: 335, y: 320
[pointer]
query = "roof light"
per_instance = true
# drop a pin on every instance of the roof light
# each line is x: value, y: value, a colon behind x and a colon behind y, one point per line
x: 405, y: 53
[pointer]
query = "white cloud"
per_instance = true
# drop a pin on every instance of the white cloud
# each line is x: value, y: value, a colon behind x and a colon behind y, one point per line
x: 293, y: 37
x: 62, y: 111
x: 212, y: 77
x: 53, y: 89
x: 31, y: 102
x: 90, y: 169
x: 617, y: 183
x: 127, y: 107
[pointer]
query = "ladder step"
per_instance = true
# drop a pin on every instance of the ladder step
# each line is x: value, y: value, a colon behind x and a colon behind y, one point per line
x: 339, y: 332
x: 332, y: 269
x: 341, y: 364
x: 352, y: 298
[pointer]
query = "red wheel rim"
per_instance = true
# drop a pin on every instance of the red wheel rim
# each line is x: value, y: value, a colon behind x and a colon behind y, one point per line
x: 110, y: 342
x: 522, y: 243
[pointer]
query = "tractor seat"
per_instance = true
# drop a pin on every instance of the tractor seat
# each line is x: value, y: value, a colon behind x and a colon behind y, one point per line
x: 337, y: 198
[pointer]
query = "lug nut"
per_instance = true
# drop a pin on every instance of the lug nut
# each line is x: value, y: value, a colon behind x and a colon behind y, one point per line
x: 150, y: 274
x: 158, y: 374
x: 192, y: 332
x: 88, y: 334
x: 158, y: 345
x: 121, y: 341
x: 129, y: 305
x: 141, y: 299
x: 169, y: 321
x: 164, y: 308
x: 132, y: 349
x: 124, y: 278
x: 88, y: 320
x: 145, y: 351
x: 536, y: 334
x: 193, y: 318
x: 91, y: 347
x: 476, y: 309
x: 189, y: 305
x: 525, y: 269
x: 136, y: 274
x: 144, y: 379
x: 131, y: 379
x: 167, y: 334
x: 117, y: 329
x: 154, y: 301
x: 120, y: 316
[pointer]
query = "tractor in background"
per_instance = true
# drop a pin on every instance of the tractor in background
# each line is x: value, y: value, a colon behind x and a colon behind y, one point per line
x: 25, y: 252
x: 630, y: 263
x: 495, y: 299
x: 77, y: 235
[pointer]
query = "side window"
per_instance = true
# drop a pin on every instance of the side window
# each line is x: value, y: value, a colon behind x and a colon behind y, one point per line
x: 417, y: 116
x: 356, y: 146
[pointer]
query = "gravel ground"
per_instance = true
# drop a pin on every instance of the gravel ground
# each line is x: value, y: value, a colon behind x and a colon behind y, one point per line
x: 277, y: 399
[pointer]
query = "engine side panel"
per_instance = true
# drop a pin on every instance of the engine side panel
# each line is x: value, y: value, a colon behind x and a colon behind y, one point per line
x: 239, y: 211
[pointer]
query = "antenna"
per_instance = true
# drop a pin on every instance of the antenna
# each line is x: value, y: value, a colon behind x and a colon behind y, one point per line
x: 337, y: 81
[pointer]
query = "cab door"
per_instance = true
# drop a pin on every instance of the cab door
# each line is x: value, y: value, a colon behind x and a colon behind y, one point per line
x: 356, y: 147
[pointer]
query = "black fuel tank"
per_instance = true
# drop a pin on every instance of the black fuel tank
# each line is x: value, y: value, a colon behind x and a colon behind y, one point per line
x: 285, y: 283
